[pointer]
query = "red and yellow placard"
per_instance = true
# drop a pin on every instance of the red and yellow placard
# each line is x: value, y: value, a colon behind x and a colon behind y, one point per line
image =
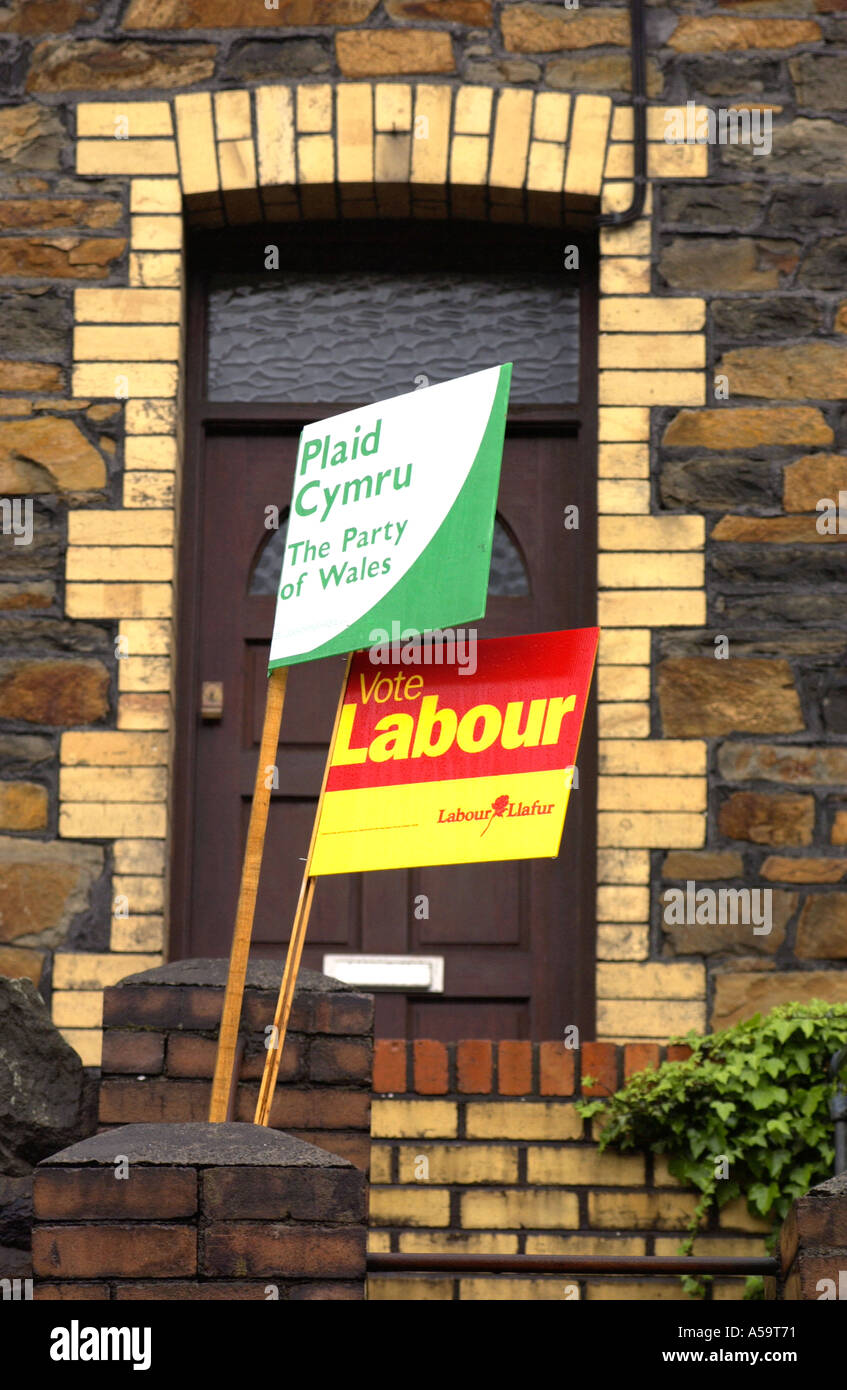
x: 432, y: 765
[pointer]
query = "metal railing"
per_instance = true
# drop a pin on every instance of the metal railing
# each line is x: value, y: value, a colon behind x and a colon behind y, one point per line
x: 407, y: 1262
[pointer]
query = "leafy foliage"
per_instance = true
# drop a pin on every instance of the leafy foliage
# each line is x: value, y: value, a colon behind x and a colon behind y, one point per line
x: 755, y: 1096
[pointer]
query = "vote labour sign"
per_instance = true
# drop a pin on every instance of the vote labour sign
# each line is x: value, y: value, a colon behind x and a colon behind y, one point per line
x: 392, y: 517
x: 440, y: 766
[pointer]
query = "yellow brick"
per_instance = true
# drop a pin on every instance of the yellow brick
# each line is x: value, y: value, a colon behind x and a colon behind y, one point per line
x: 519, y: 1209
x: 151, y: 417
x: 160, y: 344
x: 652, y: 794
x: 549, y: 1244
x: 118, y: 600
x: 652, y: 533
x: 674, y: 830
x: 726, y: 1246
x: 685, y: 757
x: 624, y: 648
x: 641, y: 1211
x: 78, y: 1008
x: 196, y: 140
x: 623, y: 461
x: 622, y: 124
x: 430, y: 152
x: 314, y: 108
x: 586, y: 151
x: 661, y: 607
x: 735, y: 1216
x: 148, y: 490
x: 652, y: 388
x: 468, y: 159
x: 622, y: 941
x: 653, y: 1020
x: 141, y: 117
x: 110, y: 749
x: 151, y: 452
x: 629, y: 1290
x: 144, y: 712
x: 144, y: 673
x: 624, y: 496
x: 94, y: 970
x: 393, y: 105
x: 121, y: 562
x: 402, y: 1288
x: 139, y: 856
x: 113, y: 784
x: 155, y: 195
x: 118, y: 528
x: 155, y: 268
x: 316, y: 155
x: 146, y: 637
x: 473, y: 110
x: 616, y: 197
x: 551, y: 116
x: 156, y: 233
x: 674, y: 350
x: 107, y: 820
x: 379, y: 1241
x: 632, y: 240
x: 137, y: 934
x: 623, y: 904
x: 662, y: 1176
x: 143, y: 893
x: 624, y: 719
x: 232, y: 115
x: 623, y: 422
x: 512, y: 1290
x: 120, y: 379
x: 355, y: 133
x: 392, y: 154
x: 657, y: 121
x: 380, y: 1163
x: 623, y: 682
x: 625, y: 571
x: 463, y: 1163
x: 624, y: 275
x: 546, y: 167
x: 572, y: 1166
x: 415, y: 1119
x: 275, y: 141
x: 126, y: 157
x: 522, y: 1120
x: 666, y: 161
x: 409, y: 1206
x: 86, y: 1042
x: 725, y: 1290
x: 126, y: 306
x: 652, y: 315
x: 623, y: 866
x: 458, y: 1242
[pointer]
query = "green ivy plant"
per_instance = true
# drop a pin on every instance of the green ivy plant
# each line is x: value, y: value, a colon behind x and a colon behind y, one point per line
x: 751, y: 1101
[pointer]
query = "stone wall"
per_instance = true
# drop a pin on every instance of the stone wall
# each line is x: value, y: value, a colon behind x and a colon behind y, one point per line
x: 813, y: 1244
x: 722, y: 771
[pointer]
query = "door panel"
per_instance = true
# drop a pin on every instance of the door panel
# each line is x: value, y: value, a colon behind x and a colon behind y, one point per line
x: 515, y: 936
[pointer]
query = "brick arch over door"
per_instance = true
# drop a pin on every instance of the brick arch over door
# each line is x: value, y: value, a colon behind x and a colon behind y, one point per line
x: 386, y: 149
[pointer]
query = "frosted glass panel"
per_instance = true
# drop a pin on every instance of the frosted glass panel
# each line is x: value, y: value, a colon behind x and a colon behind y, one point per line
x: 364, y: 335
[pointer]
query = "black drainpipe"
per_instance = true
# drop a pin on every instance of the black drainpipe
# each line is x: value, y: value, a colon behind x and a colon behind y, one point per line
x: 639, y: 119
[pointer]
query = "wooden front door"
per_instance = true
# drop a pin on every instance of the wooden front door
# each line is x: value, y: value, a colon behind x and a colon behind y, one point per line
x: 517, y: 938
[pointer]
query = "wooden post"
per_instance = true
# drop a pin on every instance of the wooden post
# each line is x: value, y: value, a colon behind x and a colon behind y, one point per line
x: 245, y: 912
x: 295, y: 945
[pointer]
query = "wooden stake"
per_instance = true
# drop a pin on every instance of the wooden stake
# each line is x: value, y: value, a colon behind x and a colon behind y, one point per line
x: 295, y: 945
x: 245, y: 912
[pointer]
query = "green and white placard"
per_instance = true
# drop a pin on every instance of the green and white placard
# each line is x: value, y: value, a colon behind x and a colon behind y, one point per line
x: 392, y: 518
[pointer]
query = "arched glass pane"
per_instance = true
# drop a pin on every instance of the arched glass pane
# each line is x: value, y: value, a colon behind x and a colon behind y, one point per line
x: 507, y: 577
x: 268, y: 566
x: 368, y: 335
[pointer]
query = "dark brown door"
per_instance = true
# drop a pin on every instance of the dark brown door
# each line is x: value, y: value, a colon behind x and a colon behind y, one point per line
x: 516, y: 937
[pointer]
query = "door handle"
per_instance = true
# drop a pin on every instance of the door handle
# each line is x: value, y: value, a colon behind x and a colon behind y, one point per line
x: 212, y: 700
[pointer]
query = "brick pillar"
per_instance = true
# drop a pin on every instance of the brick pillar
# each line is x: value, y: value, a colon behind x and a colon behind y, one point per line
x: 813, y: 1244
x: 198, y: 1211
x: 160, y: 1032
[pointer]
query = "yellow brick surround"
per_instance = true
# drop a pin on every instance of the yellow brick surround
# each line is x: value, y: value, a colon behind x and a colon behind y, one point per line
x: 392, y: 149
